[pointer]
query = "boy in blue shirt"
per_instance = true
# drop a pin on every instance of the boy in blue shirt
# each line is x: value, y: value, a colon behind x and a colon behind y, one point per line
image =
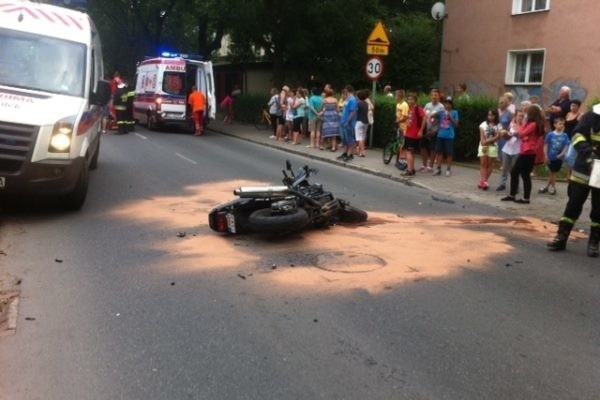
x: 555, y: 149
x: 445, y: 138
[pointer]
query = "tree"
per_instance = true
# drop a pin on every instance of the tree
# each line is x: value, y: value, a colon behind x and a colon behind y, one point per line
x: 132, y: 29
x: 413, y: 62
x: 318, y: 41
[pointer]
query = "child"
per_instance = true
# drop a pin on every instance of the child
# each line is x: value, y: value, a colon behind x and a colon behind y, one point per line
x: 445, y: 138
x: 227, y: 106
x: 414, y: 132
x: 555, y: 148
x: 489, y: 131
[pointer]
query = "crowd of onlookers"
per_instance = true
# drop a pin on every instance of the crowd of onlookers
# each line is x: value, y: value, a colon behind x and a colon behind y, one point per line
x: 513, y: 139
x: 329, y: 122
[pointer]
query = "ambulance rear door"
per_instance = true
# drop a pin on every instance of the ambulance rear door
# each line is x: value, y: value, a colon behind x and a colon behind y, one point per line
x: 205, y: 82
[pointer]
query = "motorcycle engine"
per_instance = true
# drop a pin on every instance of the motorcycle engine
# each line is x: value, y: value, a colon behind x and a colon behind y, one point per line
x: 283, y: 206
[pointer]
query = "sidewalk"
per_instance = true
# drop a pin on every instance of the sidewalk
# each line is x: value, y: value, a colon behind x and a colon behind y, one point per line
x: 461, y: 185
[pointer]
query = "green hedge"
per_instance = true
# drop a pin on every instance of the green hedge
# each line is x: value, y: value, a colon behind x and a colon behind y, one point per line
x: 471, y: 113
x: 385, y: 120
x: 247, y: 107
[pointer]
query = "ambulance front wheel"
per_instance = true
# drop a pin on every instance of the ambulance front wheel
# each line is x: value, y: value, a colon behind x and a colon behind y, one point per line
x: 152, y: 122
x: 74, y: 201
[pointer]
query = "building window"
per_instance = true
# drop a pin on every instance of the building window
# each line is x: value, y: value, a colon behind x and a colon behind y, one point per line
x: 528, y: 6
x: 525, y: 67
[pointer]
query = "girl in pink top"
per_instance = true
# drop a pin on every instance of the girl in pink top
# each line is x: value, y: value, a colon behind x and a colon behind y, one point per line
x: 530, y: 134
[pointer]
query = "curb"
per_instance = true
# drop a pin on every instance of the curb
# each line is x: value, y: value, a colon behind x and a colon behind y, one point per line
x: 381, y: 174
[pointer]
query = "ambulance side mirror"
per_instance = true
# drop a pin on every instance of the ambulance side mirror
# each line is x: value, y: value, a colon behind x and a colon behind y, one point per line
x: 102, y: 94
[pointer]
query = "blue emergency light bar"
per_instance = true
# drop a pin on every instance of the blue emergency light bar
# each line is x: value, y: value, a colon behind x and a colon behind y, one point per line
x: 168, y: 54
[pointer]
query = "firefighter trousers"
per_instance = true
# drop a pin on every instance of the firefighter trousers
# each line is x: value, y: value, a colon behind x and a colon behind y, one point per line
x: 122, y: 120
x: 578, y: 193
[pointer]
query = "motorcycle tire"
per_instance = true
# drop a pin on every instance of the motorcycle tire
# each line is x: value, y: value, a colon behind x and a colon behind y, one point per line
x: 352, y: 214
x: 264, y: 221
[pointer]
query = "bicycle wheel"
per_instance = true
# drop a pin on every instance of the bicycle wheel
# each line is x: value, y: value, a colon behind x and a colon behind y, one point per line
x: 388, y: 151
x: 262, y: 123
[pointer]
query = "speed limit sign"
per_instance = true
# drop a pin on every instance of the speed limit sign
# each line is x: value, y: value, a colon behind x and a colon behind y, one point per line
x: 374, y: 68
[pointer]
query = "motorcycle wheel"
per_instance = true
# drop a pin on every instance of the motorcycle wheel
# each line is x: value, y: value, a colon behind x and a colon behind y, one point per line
x: 264, y: 221
x: 352, y: 214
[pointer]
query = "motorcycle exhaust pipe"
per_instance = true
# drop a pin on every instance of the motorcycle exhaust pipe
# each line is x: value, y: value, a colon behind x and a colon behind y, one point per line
x: 262, y: 192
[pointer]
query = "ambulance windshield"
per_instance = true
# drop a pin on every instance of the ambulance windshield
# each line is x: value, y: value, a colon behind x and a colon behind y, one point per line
x: 41, y: 63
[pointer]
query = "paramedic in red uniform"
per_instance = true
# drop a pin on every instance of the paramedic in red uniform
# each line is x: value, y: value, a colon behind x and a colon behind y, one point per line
x: 197, y: 101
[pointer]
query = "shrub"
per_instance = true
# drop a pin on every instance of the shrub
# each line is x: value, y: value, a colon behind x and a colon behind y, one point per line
x: 247, y: 107
x: 472, y: 113
x: 384, y: 126
x: 593, y: 101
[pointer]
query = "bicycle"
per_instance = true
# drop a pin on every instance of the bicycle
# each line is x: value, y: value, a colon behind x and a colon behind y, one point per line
x: 392, y: 147
x: 263, y: 121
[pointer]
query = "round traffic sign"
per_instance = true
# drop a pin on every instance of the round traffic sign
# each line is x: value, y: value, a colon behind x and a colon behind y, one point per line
x: 374, y: 68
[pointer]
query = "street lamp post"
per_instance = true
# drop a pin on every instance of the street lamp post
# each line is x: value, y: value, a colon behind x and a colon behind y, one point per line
x: 438, y: 13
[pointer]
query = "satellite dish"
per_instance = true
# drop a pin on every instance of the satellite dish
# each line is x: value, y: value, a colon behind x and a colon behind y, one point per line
x: 438, y: 11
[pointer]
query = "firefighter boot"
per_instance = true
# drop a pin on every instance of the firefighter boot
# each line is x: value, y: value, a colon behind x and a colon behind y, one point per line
x: 592, y: 247
x: 559, y: 242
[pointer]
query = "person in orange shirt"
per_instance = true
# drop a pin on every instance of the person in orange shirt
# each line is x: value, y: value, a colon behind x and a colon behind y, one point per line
x: 197, y: 101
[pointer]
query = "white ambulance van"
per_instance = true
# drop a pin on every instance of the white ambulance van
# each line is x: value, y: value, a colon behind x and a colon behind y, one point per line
x: 51, y: 98
x: 163, y: 85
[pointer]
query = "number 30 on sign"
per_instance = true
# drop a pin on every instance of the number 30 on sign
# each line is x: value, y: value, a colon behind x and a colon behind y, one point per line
x: 374, y: 68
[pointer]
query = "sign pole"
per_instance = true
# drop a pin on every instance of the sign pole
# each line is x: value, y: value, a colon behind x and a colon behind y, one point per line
x: 377, y: 45
x: 373, y: 100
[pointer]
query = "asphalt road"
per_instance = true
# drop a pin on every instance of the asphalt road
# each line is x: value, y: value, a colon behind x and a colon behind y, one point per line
x: 434, y: 298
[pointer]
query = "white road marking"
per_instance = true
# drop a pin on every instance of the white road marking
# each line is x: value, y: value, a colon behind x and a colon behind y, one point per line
x: 186, y: 159
x: 141, y: 136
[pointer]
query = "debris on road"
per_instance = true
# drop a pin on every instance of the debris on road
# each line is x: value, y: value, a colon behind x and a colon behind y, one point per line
x: 29, y: 319
x: 241, y: 276
x: 58, y: 260
x: 180, y: 234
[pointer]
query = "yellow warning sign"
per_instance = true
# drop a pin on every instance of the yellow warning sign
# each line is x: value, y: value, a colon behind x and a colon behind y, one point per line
x: 378, y: 37
x: 377, y: 50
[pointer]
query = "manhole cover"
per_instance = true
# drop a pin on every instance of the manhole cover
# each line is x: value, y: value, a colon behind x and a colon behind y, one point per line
x: 349, y: 262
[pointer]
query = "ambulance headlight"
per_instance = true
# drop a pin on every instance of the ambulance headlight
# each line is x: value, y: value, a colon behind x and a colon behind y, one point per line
x: 60, y: 141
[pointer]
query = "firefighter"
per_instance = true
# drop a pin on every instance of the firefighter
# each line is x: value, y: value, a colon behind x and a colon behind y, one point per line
x: 586, y: 141
x: 129, y: 110
x: 120, y: 103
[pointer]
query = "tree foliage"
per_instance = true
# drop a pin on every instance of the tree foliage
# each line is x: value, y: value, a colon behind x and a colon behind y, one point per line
x: 313, y: 41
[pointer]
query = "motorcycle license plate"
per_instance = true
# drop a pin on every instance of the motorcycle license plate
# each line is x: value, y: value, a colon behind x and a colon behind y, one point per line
x: 2, y: 182
x: 230, y: 223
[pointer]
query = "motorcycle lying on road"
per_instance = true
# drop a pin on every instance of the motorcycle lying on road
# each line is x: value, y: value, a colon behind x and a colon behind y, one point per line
x: 297, y: 205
